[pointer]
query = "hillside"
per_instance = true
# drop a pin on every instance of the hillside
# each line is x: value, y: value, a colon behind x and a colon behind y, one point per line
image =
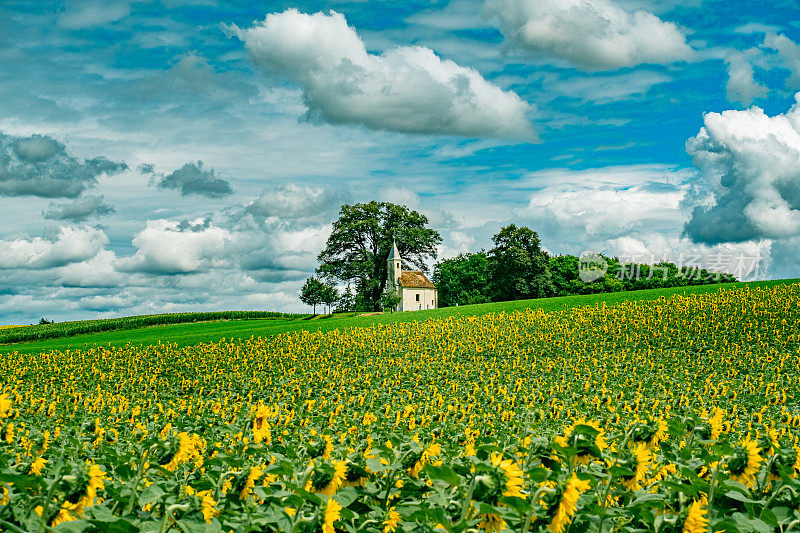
x: 193, y: 332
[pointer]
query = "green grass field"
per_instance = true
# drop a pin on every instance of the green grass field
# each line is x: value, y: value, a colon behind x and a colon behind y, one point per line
x: 194, y: 333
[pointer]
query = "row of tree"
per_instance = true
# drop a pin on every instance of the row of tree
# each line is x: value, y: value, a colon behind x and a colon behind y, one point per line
x: 357, y: 252
x: 316, y: 291
x: 517, y: 268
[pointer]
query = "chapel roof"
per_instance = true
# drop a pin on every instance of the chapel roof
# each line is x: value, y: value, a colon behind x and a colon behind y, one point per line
x: 415, y: 279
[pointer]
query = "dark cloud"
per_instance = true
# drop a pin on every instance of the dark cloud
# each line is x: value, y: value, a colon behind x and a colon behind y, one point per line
x: 36, y: 148
x: 79, y: 210
x: 41, y: 166
x: 192, y: 178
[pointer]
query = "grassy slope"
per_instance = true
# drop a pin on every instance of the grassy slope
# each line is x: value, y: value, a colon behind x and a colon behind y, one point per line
x: 187, y: 334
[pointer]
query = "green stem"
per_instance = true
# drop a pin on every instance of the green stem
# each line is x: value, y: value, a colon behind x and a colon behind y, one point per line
x: 467, y: 500
x: 777, y: 492
x: 49, y: 497
x: 604, y: 497
x: 136, y: 480
x: 390, y: 481
x: 168, y: 513
x: 712, y: 485
x: 534, y: 501
x: 12, y: 527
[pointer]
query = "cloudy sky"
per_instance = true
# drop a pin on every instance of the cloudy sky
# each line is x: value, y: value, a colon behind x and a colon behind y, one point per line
x: 175, y: 155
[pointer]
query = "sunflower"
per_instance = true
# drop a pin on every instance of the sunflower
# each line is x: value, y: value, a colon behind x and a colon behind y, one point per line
x: 81, y: 492
x: 38, y: 465
x: 492, y: 522
x: 567, y: 504
x: 63, y: 515
x: 650, y: 431
x: 638, y: 460
x: 430, y: 451
x: 514, y: 476
x: 254, y: 475
x: 697, y: 520
x: 207, y: 505
x: 326, y: 479
x: 261, y: 429
x: 716, y: 422
x: 745, y: 461
x: 391, y: 522
x: 187, y: 448
x: 583, y: 441
x: 96, y: 477
x: 332, y: 509
x: 5, y: 405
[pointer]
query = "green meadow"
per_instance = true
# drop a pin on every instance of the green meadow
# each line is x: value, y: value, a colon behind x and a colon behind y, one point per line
x: 197, y: 332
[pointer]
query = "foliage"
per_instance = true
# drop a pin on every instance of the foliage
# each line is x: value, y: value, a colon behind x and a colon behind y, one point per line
x: 389, y: 302
x: 677, y: 414
x: 330, y: 295
x: 621, y: 276
x: 518, y: 267
x: 347, y: 301
x: 359, y: 246
x: 67, y: 329
x: 312, y: 292
x: 43, y: 321
x: 463, y: 279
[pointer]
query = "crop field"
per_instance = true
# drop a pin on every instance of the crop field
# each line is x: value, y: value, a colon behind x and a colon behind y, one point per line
x: 191, y: 328
x: 677, y: 414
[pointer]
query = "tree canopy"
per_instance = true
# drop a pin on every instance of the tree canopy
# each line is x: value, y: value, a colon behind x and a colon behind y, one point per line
x: 518, y: 266
x: 312, y: 292
x: 462, y: 279
x: 359, y: 246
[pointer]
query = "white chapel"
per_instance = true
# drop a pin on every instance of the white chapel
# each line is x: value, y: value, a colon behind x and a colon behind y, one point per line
x: 415, y: 290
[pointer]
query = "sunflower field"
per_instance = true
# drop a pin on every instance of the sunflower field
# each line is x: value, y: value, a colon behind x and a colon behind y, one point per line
x: 674, y: 415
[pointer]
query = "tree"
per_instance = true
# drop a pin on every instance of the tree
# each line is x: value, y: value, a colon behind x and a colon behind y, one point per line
x: 564, y: 273
x: 347, y: 301
x: 311, y: 293
x: 329, y: 295
x: 518, y: 267
x: 361, y: 241
x: 462, y: 279
x: 389, y: 301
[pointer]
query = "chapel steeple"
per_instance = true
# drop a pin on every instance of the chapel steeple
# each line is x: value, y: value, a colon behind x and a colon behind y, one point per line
x: 395, y: 266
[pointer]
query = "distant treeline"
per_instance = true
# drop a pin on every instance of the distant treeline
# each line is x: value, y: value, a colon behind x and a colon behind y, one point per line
x: 517, y: 268
x: 66, y: 329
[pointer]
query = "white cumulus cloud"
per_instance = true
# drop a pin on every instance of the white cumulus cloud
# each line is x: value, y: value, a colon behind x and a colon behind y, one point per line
x: 590, y: 34
x: 789, y: 53
x: 72, y: 245
x: 407, y: 89
x: 168, y: 247
x: 741, y: 85
x: 750, y: 174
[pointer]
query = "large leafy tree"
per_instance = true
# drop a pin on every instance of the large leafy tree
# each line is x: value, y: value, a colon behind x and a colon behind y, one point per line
x: 518, y: 267
x: 462, y: 279
x: 359, y: 246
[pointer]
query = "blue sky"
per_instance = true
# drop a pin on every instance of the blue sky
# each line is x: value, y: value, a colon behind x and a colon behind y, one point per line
x: 170, y: 156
